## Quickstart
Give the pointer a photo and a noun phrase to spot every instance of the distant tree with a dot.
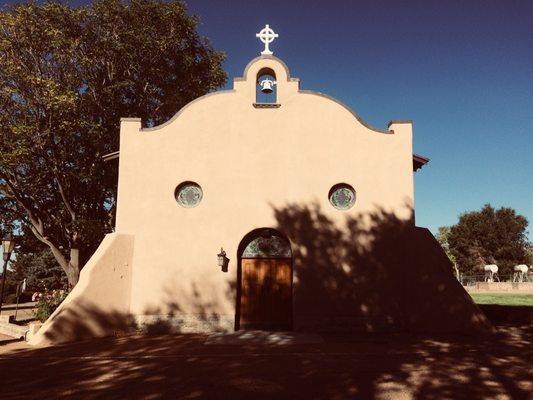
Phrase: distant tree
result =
(529, 252)
(32, 261)
(443, 235)
(41, 271)
(35, 263)
(67, 75)
(489, 236)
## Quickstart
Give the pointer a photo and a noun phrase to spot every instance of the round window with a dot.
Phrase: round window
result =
(188, 194)
(342, 196)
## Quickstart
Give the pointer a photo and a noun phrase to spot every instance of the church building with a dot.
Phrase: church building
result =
(266, 207)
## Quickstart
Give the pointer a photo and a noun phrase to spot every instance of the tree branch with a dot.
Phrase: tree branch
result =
(36, 224)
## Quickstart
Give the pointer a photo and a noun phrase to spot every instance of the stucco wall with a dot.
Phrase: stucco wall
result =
(249, 162)
(99, 304)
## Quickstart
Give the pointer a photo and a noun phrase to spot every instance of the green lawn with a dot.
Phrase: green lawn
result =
(504, 299)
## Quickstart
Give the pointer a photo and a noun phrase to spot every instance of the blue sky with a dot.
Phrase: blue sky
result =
(461, 70)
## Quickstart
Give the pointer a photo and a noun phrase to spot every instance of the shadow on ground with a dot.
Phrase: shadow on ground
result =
(508, 315)
(380, 276)
(357, 366)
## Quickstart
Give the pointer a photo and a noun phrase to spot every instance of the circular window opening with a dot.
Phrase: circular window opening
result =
(188, 194)
(342, 196)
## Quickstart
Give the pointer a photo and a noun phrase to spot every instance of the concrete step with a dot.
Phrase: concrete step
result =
(13, 330)
(21, 306)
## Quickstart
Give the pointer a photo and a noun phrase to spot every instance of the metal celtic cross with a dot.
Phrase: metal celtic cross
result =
(267, 36)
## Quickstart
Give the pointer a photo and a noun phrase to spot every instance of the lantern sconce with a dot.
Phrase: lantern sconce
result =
(223, 260)
(8, 244)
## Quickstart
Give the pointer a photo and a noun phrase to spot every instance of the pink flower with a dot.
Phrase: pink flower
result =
(35, 296)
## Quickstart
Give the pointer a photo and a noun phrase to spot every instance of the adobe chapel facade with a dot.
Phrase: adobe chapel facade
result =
(265, 207)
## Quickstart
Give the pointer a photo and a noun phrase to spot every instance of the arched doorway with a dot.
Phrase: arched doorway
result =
(264, 281)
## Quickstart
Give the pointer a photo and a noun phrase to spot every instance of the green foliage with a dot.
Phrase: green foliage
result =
(67, 76)
(10, 298)
(442, 237)
(47, 303)
(40, 270)
(35, 263)
(529, 252)
(10, 288)
(489, 236)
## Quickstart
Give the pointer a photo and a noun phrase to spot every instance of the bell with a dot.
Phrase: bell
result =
(266, 85)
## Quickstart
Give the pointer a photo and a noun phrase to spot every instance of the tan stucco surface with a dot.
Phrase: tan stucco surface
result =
(99, 304)
(365, 268)
(248, 162)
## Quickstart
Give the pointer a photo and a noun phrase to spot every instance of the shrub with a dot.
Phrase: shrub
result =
(47, 303)
(11, 298)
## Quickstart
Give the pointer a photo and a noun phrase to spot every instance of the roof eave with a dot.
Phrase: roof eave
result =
(418, 160)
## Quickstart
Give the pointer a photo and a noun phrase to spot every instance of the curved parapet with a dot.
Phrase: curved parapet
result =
(245, 86)
(99, 304)
(340, 103)
(184, 109)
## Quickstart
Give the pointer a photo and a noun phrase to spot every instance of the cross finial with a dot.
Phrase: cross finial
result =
(267, 36)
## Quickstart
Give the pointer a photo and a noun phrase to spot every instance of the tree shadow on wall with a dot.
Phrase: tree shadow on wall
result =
(171, 318)
(376, 273)
(83, 321)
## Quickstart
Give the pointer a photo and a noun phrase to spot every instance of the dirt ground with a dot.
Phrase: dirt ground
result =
(375, 366)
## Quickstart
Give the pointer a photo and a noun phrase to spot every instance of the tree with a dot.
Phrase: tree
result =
(489, 236)
(529, 252)
(35, 263)
(67, 76)
(443, 235)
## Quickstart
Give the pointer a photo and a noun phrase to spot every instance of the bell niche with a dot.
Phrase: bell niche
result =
(266, 92)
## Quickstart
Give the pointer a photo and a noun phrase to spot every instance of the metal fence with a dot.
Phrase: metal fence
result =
(472, 280)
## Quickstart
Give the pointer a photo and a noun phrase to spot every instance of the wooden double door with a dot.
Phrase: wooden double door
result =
(266, 294)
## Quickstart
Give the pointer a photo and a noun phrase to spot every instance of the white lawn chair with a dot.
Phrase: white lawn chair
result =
(491, 273)
(520, 273)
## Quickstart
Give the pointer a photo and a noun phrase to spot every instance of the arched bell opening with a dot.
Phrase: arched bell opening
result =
(266, 87)
(264, 281)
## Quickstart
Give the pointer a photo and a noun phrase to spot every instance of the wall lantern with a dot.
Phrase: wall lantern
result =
(223, 260)
(8, 243)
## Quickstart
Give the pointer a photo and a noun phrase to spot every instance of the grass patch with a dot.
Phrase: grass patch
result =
(504, 299)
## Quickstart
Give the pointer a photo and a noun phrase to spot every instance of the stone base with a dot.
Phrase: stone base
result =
(184, 323)
(198, 323)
